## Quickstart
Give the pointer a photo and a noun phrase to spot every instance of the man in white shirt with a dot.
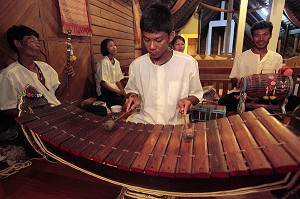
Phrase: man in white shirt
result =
(164, 83)
(13, 79)
(256, 60)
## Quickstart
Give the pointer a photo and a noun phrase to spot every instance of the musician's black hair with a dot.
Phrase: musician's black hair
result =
(18, 33)
(157, 18)
(261, 25)
(103, 46)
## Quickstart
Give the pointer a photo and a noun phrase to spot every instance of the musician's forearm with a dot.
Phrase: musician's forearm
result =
(120, 86)
(194, 100)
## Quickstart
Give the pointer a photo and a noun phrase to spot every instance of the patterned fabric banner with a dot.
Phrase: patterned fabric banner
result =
(74, 17)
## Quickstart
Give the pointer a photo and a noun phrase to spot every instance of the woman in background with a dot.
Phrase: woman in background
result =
(178, 43)
(109, 75)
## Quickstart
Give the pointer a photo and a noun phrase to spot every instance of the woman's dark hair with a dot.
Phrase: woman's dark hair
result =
(261, 25)
(175, 39)
(103, 46)
(157, 18)
(18, 33)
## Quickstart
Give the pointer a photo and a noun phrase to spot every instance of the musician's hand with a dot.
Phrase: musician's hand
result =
(132, 102)
(184, 106)
(70, 71)
(122, 92)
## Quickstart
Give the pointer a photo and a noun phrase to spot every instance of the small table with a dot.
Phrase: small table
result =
(206, 111)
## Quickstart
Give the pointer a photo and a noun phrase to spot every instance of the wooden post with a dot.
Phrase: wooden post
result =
(286, 40)
(275, 16)
(228, 28)
(279, 46)
(296, 41)
(137, 30)
(241, 27)
(219, 45)
(200, 14)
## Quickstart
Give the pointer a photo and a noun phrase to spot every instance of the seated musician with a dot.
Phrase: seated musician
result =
(164, 83)
(256, 60)
(109, 75)
(13, 79)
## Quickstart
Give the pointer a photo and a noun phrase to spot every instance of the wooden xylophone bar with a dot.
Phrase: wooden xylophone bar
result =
(251, 143)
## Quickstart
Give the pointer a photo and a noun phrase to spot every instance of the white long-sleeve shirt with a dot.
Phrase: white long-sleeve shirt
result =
(249, 63)
(161, 86)
(108, 72)
(15, 77)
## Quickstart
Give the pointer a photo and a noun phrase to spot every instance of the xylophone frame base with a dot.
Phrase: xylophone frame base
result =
(137, 185)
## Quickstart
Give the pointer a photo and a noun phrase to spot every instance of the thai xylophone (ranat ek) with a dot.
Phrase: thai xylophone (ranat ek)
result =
(238, 154)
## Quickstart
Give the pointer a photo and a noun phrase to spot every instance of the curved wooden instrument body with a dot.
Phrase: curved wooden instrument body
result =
(234, 153)
(256, 85)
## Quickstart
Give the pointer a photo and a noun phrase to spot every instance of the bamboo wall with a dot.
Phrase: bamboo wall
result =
(109, 19)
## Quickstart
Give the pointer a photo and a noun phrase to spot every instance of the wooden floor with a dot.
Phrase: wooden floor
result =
(54, 180)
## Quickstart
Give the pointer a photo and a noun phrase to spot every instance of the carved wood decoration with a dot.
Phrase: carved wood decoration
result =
(291, 9)
(181, 15)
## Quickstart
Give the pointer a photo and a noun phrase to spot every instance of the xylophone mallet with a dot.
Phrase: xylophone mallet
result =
(110, 124)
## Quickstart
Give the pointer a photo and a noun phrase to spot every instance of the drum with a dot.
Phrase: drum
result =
(267, 86)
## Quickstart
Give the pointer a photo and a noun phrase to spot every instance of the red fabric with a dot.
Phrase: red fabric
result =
(74, 17)
(286, 71)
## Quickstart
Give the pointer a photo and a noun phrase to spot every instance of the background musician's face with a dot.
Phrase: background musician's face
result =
(179, 45)
(29, 46)
(261, 38)
(112, 48)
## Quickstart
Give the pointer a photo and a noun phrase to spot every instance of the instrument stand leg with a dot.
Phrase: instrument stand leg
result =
(128, 194)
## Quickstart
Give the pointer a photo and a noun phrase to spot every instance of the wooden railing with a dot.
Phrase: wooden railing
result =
(209, 76)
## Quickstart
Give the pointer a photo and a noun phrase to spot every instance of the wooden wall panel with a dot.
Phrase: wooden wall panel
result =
(84, 74)
(51, 20)
(11, 13)
(113, 19)
(97, 40)
(106, 23)
(99, 11)
(14, 12)
(121, 49)
(107, 7)
(112, 33)
(115, 7)
(6, 55)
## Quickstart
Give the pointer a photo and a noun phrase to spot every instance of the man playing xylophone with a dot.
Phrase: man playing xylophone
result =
(162, 82)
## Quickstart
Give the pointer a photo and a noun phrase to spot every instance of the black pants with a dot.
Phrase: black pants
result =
(111, 98)
(231, 102)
